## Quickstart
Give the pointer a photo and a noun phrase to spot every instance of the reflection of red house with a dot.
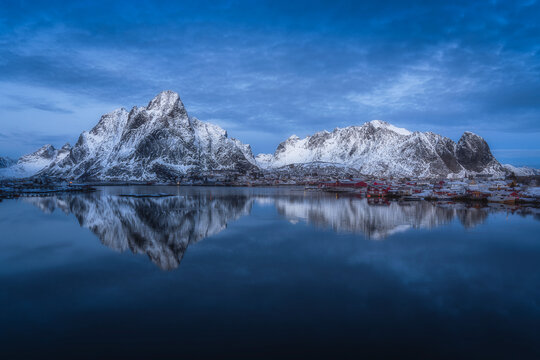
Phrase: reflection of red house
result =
(377, 190)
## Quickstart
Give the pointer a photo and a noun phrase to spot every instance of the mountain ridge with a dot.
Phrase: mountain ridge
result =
(382, 149)
(161, 142)
(31, 164)
(157, 142)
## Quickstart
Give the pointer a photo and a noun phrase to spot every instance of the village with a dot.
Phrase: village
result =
(499, 191)
(521, 190)
(509, 190)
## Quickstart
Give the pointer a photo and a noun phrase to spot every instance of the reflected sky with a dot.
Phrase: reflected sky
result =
(266, 273)
(163, 227)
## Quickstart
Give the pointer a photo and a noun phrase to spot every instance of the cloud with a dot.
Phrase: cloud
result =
(404, 92)
(280, 67)
(20, 103)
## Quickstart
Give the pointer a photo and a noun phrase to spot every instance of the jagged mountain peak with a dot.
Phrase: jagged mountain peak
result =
(164, 98)
(293, 137)
(167, 102)
(45, 148)
(382, 149)
(472, 141)
(46, 151)
(152, 143)
(473, 152)
(372, 126)
(165, 110)
(35, 162)
(470, 135)
(380, 124)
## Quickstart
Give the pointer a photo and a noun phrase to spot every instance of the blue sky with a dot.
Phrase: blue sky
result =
(264, 70)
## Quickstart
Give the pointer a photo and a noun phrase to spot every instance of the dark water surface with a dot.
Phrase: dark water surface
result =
(238, 272)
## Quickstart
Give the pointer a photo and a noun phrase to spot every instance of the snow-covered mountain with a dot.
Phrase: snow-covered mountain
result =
(35, 162)
(156, 142)
(381, 149)
(161, 142)
(522, 171)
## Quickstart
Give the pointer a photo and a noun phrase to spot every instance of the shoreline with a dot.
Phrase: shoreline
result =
(51, 190)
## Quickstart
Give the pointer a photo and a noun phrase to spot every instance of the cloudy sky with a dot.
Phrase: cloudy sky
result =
(264, 70)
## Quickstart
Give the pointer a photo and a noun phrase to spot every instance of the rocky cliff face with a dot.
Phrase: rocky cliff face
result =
(381, 149)
(152, 143)
(473, 154)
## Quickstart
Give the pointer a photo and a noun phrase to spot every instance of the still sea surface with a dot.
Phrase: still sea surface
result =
(265, 272)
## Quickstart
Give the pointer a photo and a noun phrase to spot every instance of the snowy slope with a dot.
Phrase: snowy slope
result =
(381, 149)
(264, 161)
(152, 143)
(522, 171)
(31, 164)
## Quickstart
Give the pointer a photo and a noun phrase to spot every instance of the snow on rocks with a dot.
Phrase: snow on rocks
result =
(35, 162)
(381, 149)
(159, 142)
(522, 171)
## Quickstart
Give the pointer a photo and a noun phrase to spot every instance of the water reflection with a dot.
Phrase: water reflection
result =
(163, 228)
(380, 220)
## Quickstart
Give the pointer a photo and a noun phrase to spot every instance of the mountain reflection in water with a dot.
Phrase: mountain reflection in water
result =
(163, 228)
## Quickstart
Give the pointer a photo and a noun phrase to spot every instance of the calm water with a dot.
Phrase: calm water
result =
(232, 272)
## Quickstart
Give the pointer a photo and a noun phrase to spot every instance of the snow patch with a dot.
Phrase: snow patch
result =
(522, 171)
(379, 124)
